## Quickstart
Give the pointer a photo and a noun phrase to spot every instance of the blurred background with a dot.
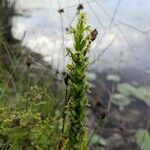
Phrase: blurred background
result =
(120, 56)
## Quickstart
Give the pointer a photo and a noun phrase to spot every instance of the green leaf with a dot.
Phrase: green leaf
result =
(19, 133)
(72, 30)
(75, 57)
(17, 145)
(70, 66)
(68, 51)
(1, 142)
(143, 139)
(44, 139)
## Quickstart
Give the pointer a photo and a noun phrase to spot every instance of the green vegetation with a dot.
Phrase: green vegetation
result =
(34, 120)
(39, 112)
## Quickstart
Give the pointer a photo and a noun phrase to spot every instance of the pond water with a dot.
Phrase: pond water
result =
(123, 26)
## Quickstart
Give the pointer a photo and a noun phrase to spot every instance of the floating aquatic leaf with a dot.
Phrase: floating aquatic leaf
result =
(96, 139)
(143, 139)
(91, 76)
(113, 77)
(126, 89)
(121, 100)
(142, 93)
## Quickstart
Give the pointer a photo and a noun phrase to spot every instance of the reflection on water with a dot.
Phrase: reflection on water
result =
(123, 27)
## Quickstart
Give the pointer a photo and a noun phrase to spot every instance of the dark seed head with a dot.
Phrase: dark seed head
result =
(29, 61)
(93, 35)
(64, 73)
(43, 116)
(15, 123)
(57, 72)
(104, 114)
(67, 29)
(66, 79)
(61, 10)
(80, 7)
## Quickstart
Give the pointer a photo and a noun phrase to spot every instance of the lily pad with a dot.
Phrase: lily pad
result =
(91, 76)
(96, 139)
(142, 93)
(143, 139)
(126, 89)
(113, 77)
(121, 100)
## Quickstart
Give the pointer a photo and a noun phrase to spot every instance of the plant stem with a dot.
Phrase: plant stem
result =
(77, 83)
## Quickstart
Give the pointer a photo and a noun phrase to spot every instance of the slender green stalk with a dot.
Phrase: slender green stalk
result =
(99, 125)
(7, 48)
(28, 64)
